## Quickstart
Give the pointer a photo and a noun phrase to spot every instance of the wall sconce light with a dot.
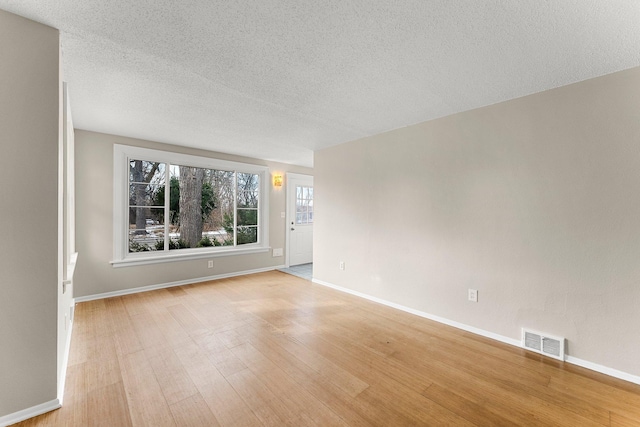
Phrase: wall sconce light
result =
(277, 180)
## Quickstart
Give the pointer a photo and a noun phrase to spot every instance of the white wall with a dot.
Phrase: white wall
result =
(29, 126)
(535, 202)
(94, 230)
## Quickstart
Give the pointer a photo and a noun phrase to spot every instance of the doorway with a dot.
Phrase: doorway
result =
(299, 217)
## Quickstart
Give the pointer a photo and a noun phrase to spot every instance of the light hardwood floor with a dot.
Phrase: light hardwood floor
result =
(273, 349)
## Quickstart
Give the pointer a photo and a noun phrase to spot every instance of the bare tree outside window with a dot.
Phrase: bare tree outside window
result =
(191, 180)
(206, 207)
(146, 216)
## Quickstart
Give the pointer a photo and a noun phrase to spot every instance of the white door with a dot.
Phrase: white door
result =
(299, 219)
(66, 230)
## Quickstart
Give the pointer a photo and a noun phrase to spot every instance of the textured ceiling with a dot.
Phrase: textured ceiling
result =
(277, 79)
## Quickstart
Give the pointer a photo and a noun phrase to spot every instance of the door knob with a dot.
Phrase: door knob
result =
(292, 229)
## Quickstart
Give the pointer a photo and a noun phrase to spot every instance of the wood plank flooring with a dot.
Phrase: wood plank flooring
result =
(272, 349)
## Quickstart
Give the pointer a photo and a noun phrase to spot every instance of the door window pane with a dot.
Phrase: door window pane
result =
(304, 205)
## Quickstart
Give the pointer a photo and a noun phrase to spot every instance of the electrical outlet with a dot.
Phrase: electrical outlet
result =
(341, 265)
(210, 264)
(277, 252)
(473, 295)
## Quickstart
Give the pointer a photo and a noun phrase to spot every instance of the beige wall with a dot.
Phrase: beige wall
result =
(535, 202)
(29, 114)
(94, 228)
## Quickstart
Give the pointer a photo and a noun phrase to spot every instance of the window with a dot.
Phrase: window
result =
(170, 206)
(304, 205)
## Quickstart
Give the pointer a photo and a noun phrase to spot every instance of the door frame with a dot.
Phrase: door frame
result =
(290, 198)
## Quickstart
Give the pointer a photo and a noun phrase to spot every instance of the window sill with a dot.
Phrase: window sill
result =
(158, 259)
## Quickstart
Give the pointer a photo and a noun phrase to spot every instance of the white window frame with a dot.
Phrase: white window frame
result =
(122, 154)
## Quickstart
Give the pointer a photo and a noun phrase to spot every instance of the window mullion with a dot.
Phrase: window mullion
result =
(131, 247)
(235, 208)
(167, 202)
(258, 216)
(126, 209)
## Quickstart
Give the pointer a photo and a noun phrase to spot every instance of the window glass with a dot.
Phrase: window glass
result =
(247, 208)
(200, 206)
(146, 212)
(204, 207)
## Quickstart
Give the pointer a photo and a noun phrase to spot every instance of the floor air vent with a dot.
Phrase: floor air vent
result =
(543, 344)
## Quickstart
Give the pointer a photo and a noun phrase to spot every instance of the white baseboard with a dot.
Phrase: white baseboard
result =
(603, 369)
(172, 284)
(569, 359)
(34, 411)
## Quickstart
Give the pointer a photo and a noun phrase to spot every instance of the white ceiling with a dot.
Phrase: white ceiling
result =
(277, 79)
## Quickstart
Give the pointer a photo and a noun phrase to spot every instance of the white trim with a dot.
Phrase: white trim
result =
(603, 369)
(517, 343)
(34, 411)
(172, 284)
(119, 201)
(293, 175)
(121, 156)
(289, 216)
(128, 262)
(65, 360)
(71, 268)
(174, 158)
(422, 314)
(69, 332)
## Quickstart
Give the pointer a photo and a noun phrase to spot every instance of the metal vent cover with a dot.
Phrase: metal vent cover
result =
(543, 343)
